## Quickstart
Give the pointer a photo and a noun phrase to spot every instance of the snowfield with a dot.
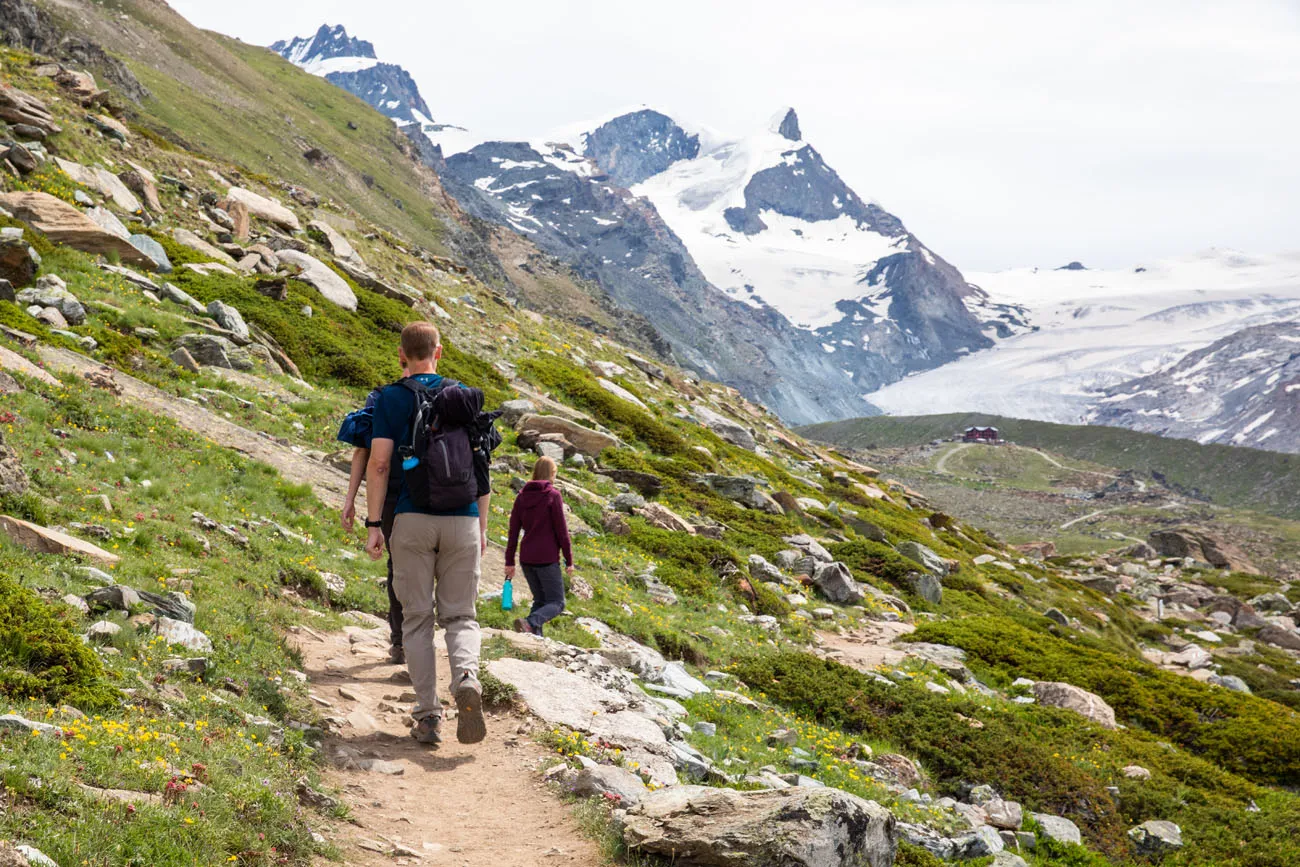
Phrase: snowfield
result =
(1100, 328)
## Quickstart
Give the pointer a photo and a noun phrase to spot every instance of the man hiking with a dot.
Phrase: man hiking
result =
(439, 530)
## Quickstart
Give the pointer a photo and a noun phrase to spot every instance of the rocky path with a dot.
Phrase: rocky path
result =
(480, 805)
(868, 647)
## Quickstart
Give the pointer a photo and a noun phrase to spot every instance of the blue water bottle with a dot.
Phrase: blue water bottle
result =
(508, 595)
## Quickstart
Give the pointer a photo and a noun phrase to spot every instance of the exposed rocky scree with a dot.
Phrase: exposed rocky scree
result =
(1242, 390)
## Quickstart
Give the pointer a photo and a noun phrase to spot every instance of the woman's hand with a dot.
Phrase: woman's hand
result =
(568, 570)
(510, 572)
(349, 515)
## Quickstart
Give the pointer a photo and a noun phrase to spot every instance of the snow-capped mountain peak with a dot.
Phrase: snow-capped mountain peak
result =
(785, 123)
(352, 64)
(329, 49)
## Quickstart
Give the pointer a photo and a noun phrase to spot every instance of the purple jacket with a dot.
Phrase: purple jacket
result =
(539, 512)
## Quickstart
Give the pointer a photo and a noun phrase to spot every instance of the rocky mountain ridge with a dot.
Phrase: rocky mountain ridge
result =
(351, 64)
(833, 276)
(1241, 390)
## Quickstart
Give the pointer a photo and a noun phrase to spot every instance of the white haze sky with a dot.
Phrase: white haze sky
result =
(1002, 133)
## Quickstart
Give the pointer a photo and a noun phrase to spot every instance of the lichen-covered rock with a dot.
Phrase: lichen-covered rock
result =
(699, 826)
(1156, 837)
(1082, 702)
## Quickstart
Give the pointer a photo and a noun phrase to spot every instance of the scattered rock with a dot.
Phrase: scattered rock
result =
(103, 631)
(1057, 828)
(925, 585)
(228, 318)
(793, 827)
(215, 351)
(1279, 637)
(1156, 837)
(724, 427)
(1200, 544)
(151, 248)
(65, 224)
(1082, 702)
(513, 410)
(930, 561)
(664, 518)
(1135, 772)
(185, 360)
(186, 238)
(43, 540)
(586, 440)
(322, 277)
(18, 263)
(627, 503)
(265, 209)
(183, 634)
(836, 583)
(50, 291)
(606, 780)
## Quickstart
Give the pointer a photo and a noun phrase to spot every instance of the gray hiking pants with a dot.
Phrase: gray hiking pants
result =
(436, 568)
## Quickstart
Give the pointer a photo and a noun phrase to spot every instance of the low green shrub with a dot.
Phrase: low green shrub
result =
(1242, 733)
(1031, 756)
(582, 390)
(42, 657)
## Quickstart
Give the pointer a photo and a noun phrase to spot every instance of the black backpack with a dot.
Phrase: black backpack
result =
(443, 477)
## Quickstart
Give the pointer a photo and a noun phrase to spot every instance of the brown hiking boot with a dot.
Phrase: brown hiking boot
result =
(396, 654)
(471, 728)
(428, 730)
(522, 625)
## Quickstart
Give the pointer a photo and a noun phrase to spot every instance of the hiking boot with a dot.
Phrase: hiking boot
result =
(470, 725)
(522, 625)
(397, 654)
(428, 730)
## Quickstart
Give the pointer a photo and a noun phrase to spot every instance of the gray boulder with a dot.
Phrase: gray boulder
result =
(836, 583)
(794, 827)
(50, 291)
(1058, 828)
(1082, 702)
(18, 261)
(151, 248)
(724, 427)
(925, 585)
(930, 561)
(212, 350)
(177, 295)
(809, 546)
(738, 488)
(228, 318)
(1156, 837)
(513, 410)
(627, 503)
(607, 780)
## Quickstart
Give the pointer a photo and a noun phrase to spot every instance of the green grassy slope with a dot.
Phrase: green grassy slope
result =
(1267, 481)
(246, 728)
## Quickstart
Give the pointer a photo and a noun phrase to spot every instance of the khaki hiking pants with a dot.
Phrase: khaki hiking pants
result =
(436, 568)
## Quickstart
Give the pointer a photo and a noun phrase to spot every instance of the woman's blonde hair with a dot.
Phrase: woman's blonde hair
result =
(544, 470)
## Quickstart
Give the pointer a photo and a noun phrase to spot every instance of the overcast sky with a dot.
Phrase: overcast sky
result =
(1002, 133)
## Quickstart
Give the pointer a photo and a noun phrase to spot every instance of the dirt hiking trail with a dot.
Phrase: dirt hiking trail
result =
(479, 805)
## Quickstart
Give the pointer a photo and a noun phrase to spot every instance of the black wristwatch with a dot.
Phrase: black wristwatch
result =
(374, 524)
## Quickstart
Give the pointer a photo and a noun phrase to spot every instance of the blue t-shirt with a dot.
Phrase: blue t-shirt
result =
(394, 415)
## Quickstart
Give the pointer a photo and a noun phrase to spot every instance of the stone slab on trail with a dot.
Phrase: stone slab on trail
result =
(794, 827)
(562, 698)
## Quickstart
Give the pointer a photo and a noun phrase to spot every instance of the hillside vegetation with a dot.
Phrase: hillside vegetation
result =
(1231, 476)
(171, 557)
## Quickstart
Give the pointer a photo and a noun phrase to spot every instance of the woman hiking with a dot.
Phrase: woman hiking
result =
(539, 512)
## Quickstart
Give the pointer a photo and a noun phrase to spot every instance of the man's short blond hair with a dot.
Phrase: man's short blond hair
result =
(420, 340)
